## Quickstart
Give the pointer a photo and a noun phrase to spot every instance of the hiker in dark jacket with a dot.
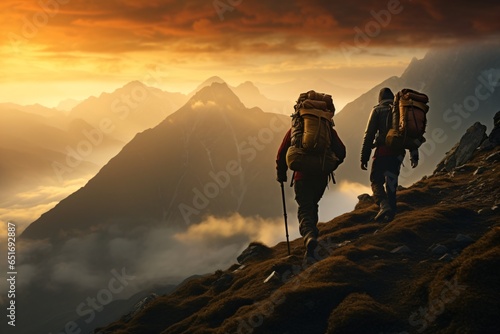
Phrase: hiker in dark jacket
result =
(386, 162)
(309, 189)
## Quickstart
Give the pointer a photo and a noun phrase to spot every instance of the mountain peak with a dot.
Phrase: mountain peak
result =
(249, 88)
(219, 94)
(206, 83)
(214, 79)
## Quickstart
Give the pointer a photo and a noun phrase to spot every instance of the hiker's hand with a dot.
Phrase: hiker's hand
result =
(281, 178)
(414, 163)
(364, 165)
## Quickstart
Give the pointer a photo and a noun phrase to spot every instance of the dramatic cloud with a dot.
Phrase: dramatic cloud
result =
(245, 39)
(246, 26)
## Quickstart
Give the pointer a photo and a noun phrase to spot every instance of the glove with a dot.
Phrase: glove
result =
(281, 178)
(414, 163)
(364, 165)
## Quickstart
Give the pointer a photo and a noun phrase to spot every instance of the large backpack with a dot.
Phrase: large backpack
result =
(311, 136)
(409, 120)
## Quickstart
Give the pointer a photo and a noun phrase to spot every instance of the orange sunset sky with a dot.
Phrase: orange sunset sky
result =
(57, 49)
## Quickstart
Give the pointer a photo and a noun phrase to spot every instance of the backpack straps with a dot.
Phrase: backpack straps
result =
(292, 181)
(332, 177)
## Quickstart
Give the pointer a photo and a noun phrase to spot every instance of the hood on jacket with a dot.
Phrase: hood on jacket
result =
(385, 94)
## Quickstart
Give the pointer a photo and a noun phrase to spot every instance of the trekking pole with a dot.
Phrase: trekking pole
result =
(284, 215)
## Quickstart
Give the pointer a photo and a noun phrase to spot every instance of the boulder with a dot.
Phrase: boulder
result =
(401, 250)
(438, 249)
(140, 305)
(494, 137)
(365, 200)
(254, 252)
(463, 151)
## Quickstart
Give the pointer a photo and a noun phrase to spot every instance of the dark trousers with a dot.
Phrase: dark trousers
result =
(308, 192)
(385, 172)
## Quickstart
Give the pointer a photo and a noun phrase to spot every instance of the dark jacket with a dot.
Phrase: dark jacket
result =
(378, 125)
(337, 147)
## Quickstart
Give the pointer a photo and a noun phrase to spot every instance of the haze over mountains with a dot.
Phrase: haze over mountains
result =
(208, 158)
(62, 148)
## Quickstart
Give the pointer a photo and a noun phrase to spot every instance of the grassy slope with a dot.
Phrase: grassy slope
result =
(360, 286)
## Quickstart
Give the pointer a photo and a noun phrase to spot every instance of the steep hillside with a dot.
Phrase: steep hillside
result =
(434, 269)
(463, 87)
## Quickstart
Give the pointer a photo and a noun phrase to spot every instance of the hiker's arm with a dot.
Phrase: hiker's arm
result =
(414, 158)
(281, 166)
(371, 130)
(338, 146)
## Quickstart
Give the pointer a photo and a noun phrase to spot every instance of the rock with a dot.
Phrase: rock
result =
(273, 277)
(365, 200)
(446, 258)
(494, 136)
(464, 168)
(464, 240)
(222, 283)
(343, 243)
(463, 151)
(480, 170)
(438, 249)
(494, 157)
(461, 238)
(254, 252)
(240, 268)
(140, 305)
(401, 250)
(485, 211)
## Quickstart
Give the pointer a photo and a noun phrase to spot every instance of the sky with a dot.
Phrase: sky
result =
(57, 49)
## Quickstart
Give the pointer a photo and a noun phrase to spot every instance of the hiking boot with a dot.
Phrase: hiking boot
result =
(389, 217)
(385, 209)
(311, 243)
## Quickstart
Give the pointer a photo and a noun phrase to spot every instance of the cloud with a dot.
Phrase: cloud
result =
(121, 26)
(25, 207)
(216, 230)
(156, 255)
(341, 200)
(200, 105)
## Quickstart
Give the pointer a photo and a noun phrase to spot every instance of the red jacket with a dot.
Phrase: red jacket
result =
(337, 146)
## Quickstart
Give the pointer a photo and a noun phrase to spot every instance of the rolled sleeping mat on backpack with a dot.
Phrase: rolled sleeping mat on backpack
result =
(299, 160)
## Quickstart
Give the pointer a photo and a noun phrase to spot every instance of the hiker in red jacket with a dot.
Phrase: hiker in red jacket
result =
(386, 162)
(309, 189)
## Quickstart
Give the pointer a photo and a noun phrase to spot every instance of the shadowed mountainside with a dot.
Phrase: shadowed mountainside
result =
(435, 268)
(463, 85)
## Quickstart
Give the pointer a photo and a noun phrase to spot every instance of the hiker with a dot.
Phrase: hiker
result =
(309, 186)
(386, 161)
